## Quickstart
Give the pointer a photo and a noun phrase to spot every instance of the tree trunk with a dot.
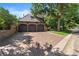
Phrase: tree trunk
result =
(60, 16)
(58, 26)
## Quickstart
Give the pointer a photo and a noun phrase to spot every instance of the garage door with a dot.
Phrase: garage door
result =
(40, 27)
(32, 28)
(22, 28)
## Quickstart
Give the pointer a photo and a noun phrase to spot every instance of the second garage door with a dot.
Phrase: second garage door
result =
(31, 28)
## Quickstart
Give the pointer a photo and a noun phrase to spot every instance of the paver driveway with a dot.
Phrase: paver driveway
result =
(15, 46)
(41, 37)
(44, 37)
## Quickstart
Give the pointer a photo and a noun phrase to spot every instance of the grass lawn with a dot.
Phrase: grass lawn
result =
(62, 33)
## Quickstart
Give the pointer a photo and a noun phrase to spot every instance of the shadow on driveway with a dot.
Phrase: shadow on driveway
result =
(18, 37)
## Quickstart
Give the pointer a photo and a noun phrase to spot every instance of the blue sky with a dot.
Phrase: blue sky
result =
(18, 9)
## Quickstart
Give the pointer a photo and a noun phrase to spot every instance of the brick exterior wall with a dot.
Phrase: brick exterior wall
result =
(7, 33)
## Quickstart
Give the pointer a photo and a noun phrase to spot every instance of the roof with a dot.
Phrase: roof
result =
(30, 18)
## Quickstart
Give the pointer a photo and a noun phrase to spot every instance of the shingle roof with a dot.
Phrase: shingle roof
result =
(29, 18)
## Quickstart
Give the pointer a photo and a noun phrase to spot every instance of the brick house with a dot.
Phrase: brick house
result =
(31, 24)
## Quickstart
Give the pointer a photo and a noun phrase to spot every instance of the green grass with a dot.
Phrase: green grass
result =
(62, 33)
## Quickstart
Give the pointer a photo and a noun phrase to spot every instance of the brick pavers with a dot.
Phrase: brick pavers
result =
(44, 37)
(16, 42)
(41, 37)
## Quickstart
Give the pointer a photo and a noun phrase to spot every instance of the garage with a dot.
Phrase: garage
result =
(40, 27)
(31, 28)
(22, 28)
(30, 23)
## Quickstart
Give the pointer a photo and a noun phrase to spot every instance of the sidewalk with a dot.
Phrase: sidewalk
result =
(72, 46)
(61, 45)
(69, 48)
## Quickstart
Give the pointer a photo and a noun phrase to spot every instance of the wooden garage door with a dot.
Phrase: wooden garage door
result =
(22, 28)
(40, 27)
(32, 28)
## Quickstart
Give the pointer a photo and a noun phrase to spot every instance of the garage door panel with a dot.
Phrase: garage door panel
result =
(32, 28)
(22, 28)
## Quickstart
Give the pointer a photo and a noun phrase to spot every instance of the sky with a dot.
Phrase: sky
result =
(18, 9)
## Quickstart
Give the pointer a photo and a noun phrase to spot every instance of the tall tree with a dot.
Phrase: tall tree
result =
(62, 14)
(6, 18)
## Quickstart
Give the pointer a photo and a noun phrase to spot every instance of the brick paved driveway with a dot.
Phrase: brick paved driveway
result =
(41, 37)
(44, 37)
(15, 43)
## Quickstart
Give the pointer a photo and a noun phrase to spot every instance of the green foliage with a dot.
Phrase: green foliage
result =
(58, 15)
(61, 33)
(6, 19)
(50, 21)
(37, 9)
(2, 23)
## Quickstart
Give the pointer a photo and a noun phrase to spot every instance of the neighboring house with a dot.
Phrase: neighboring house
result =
(31, 24)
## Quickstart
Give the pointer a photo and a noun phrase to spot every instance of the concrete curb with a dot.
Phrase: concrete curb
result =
(61, 45)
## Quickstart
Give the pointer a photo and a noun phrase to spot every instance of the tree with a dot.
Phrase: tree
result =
(38, 9)
(6, 18)
(63, 16)
(2, 23)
